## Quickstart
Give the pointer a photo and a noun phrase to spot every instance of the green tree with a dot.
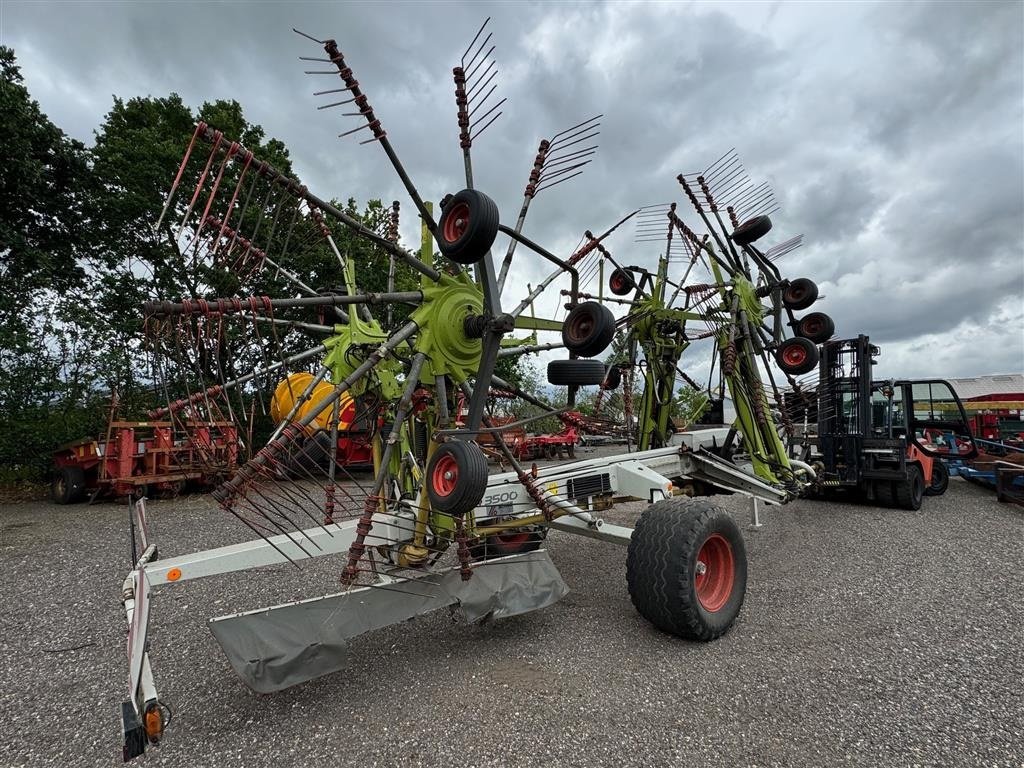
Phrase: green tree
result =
(44, 181)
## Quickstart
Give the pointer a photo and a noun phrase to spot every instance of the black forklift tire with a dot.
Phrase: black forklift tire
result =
(579, 373)
(940, 479)
(68, 485)
(456, 477)
(588, 329)
(885, 493)
(621, 282)
(612, 378)
(468, 226)
(816, 326)
(751, 230)
(800, 293)
(797, 356)
(910, 490)
(670, 585)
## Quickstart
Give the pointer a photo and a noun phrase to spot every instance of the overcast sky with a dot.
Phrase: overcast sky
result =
(892, 133)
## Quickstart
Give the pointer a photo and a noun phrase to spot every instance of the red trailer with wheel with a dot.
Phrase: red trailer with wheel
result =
(139, 458)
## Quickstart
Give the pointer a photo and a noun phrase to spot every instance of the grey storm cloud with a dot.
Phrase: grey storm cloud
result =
(892, 133)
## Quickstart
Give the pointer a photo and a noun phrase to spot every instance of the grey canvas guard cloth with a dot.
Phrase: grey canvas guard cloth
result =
(275, 648)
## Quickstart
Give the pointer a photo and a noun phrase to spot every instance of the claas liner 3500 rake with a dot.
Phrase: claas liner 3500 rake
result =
(433, 528)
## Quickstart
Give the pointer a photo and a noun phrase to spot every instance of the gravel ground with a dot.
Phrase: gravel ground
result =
(869, 637)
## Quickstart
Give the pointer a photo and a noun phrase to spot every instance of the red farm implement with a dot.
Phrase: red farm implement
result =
(139, 458)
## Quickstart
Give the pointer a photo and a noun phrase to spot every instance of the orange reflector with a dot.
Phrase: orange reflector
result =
(154, 723)
(174, 574)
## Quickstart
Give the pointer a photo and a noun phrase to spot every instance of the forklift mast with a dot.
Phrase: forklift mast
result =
(844, 403)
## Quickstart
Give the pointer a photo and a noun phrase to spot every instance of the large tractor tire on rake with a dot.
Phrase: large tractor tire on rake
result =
(816, 327)
(686, 568)
(588, 329)
(468, 226)
(751, 230)
(797, 356)
(621, 282)
(512, 542)
(456, 477)
(800, 293)
(612, 378)
(580, 373)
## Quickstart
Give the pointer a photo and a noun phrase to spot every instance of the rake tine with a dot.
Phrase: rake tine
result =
(476, 37)
(557, 138)
(481, 130)
(487, 57)
(308, 37)
(481, 83)
(482, 102)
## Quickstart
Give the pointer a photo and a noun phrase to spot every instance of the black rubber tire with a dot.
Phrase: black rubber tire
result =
(468, 226)
(800, 293)
(581, 373)
(940, 479)
(817, 326)
(751, 230)
(885, 493)
(570, 450)
(661, 567)
(509, 543)
(910, 491)
(612, 378)
(621, 282)
(588, 329)
(462, 492)
(68, 485)
(797, 356)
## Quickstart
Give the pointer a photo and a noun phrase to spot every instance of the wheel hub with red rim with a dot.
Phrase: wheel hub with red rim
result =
(456, 221)
(813, 327)
(581, 327)
(445, 476)
(794, 355)
(715, 573)
(513, 538)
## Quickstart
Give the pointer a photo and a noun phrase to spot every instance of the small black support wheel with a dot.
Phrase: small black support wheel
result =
(570, 450)
(686, 568)
(797, 355)
(910, 491)
(940, 479)
(885, 493)
(467, 227)
(580, 373)
(588, 329)
(456, 477)
(816, 326)
(751, 230)
(517, 541)
(621, 282)
(612, 378)
(68, 485)
(550, 451)
(800, 293)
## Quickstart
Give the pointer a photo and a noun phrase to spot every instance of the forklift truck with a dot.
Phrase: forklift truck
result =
(875, 438)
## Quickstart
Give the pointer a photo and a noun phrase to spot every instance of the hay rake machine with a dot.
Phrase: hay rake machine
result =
(431, 528)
